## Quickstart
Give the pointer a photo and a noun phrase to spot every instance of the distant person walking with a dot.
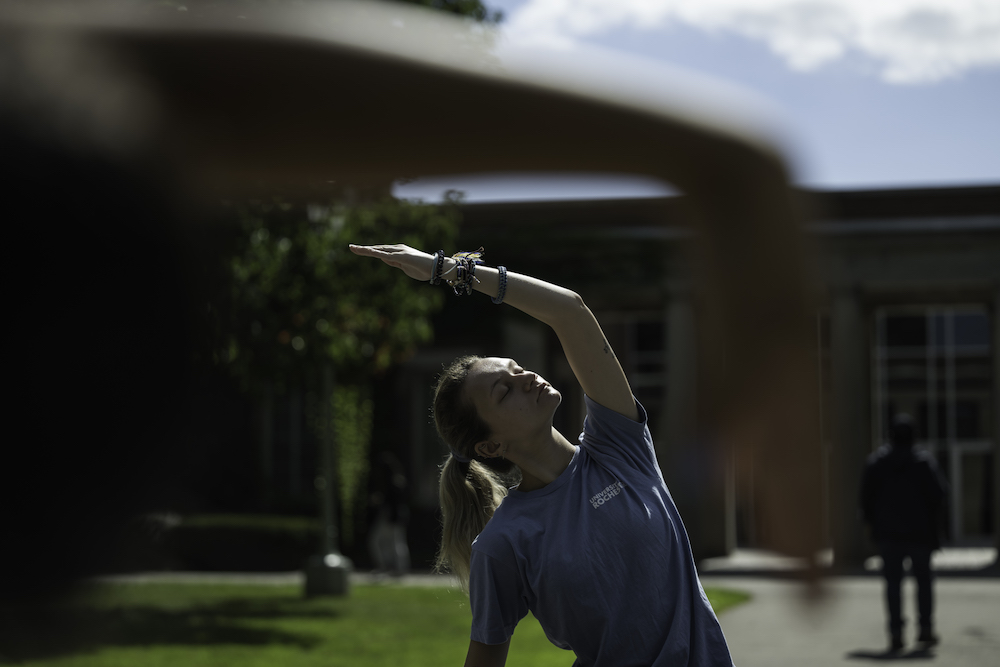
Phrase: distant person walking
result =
(387, 536)
(902, 493)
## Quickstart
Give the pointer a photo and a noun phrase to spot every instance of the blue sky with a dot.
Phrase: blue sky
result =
(875, 93)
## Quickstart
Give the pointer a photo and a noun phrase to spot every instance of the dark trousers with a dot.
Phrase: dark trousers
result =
(893, 554)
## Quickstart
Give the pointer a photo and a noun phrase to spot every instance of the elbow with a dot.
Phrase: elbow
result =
(574, 308)
(571, 315)
(562, 309)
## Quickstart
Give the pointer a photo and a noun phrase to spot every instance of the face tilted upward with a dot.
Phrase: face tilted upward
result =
(515, 403)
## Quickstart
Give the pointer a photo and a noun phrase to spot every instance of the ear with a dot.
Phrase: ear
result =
(488, 449)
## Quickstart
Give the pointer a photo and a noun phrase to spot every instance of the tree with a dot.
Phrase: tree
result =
(290, 302)
(301, 299)
(295, 303)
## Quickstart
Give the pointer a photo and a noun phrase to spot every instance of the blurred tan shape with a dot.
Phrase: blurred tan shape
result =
(368, 93)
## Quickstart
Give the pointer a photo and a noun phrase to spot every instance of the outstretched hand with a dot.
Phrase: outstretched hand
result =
(410, 261)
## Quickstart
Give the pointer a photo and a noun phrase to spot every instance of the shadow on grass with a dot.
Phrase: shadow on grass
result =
(34, 633)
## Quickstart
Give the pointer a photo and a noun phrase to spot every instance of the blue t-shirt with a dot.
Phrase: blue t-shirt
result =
(600, 557)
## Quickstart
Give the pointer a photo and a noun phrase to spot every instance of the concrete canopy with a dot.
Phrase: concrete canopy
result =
(372, 90)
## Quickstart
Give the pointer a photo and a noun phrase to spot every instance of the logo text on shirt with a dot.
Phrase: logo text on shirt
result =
(607, 494)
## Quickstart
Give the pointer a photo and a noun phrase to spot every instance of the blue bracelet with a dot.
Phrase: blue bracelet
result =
(436, 270)
(502, 290)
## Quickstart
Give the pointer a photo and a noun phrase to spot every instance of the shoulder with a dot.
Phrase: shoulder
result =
(879, 455)
(497, 537)
(927, 463)
(496, 552)
(598, 414)
(610, 435)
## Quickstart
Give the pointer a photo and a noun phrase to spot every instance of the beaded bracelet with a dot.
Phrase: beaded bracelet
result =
(436, 271)
(502, 289)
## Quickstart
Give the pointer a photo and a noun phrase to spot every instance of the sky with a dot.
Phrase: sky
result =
(873, 93)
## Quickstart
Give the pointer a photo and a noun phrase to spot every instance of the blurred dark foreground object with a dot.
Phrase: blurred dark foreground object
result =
(99, 343)
(115, 122)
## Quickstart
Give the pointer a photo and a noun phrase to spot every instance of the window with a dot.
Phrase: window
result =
(935, 363)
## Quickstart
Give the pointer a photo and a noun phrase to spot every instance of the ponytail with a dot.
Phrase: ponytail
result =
(469, 491)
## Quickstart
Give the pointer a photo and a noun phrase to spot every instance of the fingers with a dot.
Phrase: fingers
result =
(390, 254)
(365, 250)
(410, 261)
(375, 250)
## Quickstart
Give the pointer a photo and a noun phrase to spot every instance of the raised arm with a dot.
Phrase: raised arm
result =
(586, 348)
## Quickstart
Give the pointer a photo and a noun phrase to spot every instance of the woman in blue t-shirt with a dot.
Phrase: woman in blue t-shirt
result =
(590, 540)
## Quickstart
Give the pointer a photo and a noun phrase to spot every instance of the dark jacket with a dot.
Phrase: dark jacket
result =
(902, 495)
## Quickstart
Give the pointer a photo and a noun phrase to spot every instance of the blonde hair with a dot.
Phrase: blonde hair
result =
(471, 491)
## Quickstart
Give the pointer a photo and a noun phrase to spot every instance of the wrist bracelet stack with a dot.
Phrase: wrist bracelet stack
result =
(465, 267)
(465, 273)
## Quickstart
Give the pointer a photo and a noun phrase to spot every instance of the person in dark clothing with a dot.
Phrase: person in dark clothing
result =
(387, 535)
(902, 493)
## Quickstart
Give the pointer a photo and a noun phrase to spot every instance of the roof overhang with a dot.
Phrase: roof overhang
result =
(371, 91)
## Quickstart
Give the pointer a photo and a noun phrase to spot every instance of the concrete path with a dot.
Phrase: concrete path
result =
(778, 627)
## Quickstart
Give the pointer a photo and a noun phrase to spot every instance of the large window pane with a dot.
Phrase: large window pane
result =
(935, 363)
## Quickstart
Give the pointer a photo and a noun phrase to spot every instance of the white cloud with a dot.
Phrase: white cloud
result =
(911, 41)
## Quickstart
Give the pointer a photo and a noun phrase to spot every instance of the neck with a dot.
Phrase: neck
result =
(543, 461)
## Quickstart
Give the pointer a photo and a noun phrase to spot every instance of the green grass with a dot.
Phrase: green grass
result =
(189, 625)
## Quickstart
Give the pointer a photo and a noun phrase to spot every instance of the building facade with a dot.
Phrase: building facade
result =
(908, 290)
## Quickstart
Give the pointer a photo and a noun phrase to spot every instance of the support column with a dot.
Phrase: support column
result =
(265, 432)
(680, 407)
(694, 470)
(850, 369)
(327, 573)
(295, 441)
(995, 328)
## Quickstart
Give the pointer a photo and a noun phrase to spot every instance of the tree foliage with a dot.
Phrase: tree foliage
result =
(300, 299)
(294, 301)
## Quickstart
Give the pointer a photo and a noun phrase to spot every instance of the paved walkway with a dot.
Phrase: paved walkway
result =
(778, 627)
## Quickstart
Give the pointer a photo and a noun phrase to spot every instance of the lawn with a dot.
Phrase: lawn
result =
(197, 625)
